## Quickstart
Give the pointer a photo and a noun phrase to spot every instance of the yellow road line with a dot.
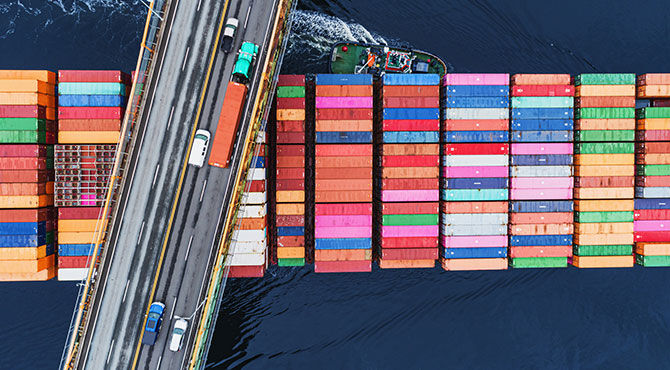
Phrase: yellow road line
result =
(181, 180)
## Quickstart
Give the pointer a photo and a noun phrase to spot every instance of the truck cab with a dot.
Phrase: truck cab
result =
(245, 59)
(154, 321)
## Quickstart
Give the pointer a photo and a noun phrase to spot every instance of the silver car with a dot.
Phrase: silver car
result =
(178, 332)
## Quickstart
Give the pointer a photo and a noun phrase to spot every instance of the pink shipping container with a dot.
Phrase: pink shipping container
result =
(542, 182)
(342, 221)
(344, 102)
(410, 195)
(474, 241)
(543, 148)
(493, 171)
(540, 194)
(22, 111)
(662, 225)
(90, 112)
(410, 231)
(23, 150)
(343, 208)
(93, 76)
(476, 79)
(339, 232)
(78, 213)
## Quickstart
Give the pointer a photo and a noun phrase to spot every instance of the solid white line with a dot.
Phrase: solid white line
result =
(174, 303)
(141, 231)
(159, 362)
(155, 175)
(110, 351)
(125, 291)
(170, 119)
(199, 2)
(185, 58)
(188, 249)
(246, 19)
(203, 191)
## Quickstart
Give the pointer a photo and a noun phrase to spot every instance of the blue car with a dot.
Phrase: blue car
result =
(154, 320)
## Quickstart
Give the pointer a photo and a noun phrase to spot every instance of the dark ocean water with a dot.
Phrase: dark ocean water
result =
(293, 318)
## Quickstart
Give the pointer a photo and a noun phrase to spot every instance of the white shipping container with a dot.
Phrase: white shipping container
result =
(249, 235)
(258, 198)
(653, 192)
(477, 113)
(247, 211)
(474, 218)
(476, 160)
(72, 274)
(541, 171)
(455, 230)
(246, 259)
(256, 174)
(259, 246)
(260, 138)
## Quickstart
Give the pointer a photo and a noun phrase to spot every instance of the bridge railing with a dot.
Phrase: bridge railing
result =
(266, 89)
(87, 288)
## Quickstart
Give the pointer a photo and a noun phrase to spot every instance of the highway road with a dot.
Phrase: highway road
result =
(137, 254)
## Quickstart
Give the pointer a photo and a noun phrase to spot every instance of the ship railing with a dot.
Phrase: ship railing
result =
(266, 90)
(87, 287)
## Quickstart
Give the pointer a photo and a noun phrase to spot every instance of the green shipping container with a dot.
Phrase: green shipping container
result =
(538, 262)
(605, 79)
(653, 112)
(22, 124)
(653, 170)
(605, 135)
(399, 220)
(285, 262)
(653, 261)
(605, 113)
(91, 88)
(291, 91)
(50, 163)
(23, 137)
(604, 148)
(602, 250)
(50, 151)
(49, 237)
(542, 102)
(594, 217)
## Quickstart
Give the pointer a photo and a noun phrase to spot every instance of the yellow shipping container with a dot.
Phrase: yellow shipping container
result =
(410, 172)
(84, 237)
(20, 98)
(653, 249)
(604, 239)
(77, 225)
(605, 90)
(88, 137)
(26, 86)
(289, 209)
(653, 91)
(654, 124)
(26, 201)
(653, 158)
(43, 275)
(604, 228)
(343, 125)
(605, 159)
(27, 266)
(602, 261)
(290, 114)
(404, 264)
(290, 252)
(614, 170)
(604, 193)
(605, 124)
(19, 74)
(290, 196)
(466, 264)
(619, 205)
(23, 253)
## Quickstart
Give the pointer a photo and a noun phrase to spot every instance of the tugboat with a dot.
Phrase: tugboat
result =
(358, 58)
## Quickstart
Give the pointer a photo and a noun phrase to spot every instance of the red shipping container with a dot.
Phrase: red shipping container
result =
(25, 175)
(465, 149)
(543, 90)
(23, 163)
(412, 102)
(291, 80)
(541, 218)
(23, 215)
(256, 186)
(541, 251)
(79, 213)
(653, 135)
(321, 209)
(23, 111)
(653, 181)
(410, 253)
(474, 207)
(73, 262)
(23, 150)
(410, 184)
(290, 103)
(422, 208)
(342, 266)
(476, 125)
(343, 150)
(411, 161)
(290, 220)
(411, 125)
(291, 126)
(649, 148)
(660, 103)
(652, 236)
(605, 182)
(260, 150)
(290, 137)
(343, 173)
(652, 214)
(405, 91)
(90, 112)
(345, 114)
(410, 242)
(290, 173)
(605, 102)
(246, 271)
(89, 124)
(93, 76)
(291, 241)
(290, 184)
(290, 150)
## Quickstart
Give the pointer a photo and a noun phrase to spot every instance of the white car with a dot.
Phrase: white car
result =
(199, 148)
(229, 34)
(178, 332)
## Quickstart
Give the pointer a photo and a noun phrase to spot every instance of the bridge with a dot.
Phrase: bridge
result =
(165, 228)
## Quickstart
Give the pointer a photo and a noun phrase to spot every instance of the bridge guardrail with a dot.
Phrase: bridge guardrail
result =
(268, 82)
(87, 288)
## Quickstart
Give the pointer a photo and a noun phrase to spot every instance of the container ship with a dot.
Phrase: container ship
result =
(359, 58)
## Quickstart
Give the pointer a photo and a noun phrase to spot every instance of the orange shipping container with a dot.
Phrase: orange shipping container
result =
(88, 137)
(605, 90)
(604, 228)
(603, 239)
(343, 173)
(412, 91)
(344, 90)
(77, 225)
(23, 253)
(541, 79)
(654, 79)
(605, 124)
(605, 101)
(24, 188)
(357, 196)
(467, 264)
(343, 125)
(24, 215)
(406, 264)
(343, 255)
(27, 266)
(289, 209)
(291, 241)
(43, 275)
(653, 249)
(290, 252)
(619, 205)
(541, 229)
(251, 223)
(654, 124)
(604, 159)
(27, 86)
(51, 113)
(20, 98)
(474, 207)
(89, 125)
(26, 201)
(340, 184)
(290, 114)
(653, 91)
(291, 161)
(286, 196)
(522, 218)
(410, 149)
(85, 237)
(410, 172)
(614, 170)
(602, 261)
(604, 193)
(343, 162)
(652, 158)
(40, 75)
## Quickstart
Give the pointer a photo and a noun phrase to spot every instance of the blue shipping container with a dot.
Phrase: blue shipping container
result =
(478, 102)
(476, 183)
(337, 79)
(343, 137)
(475, 136)
(34, 240)
(539, 206)
(542, 113)
(663, 203)
(542, 136)
(411, 137)
(542, 124)
(343, 243)
(477, 90)
(75, 249)
(91, 101)
(411, 113)
(23, 228)
(258, 162)
(541, 159)
(290, 230)
(493, 252)
(395, 79)
(535, 240)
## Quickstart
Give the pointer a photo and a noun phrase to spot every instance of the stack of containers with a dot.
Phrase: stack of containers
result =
(652, 206)
(475, 170)
(290, 173)
(653, 86)
(410, 161)
(27, 116)
(248, 248)
(604, 170)
(541, 218)
(76, 234)
(343, 173)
